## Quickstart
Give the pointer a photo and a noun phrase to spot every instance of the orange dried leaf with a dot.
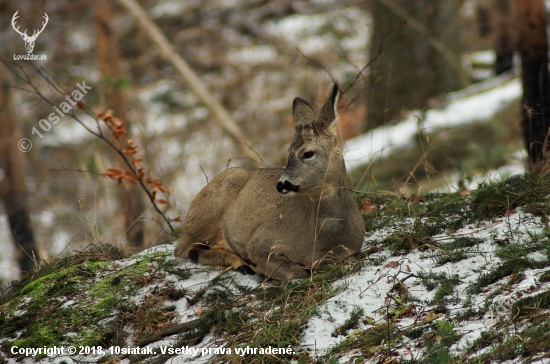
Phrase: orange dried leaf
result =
(160, 201)
(131, 148)
(106, 117)
(80, 105)
(117, 122)
(131, 151)
(136, 162)
(114, 173)
(164, 188)
(130, 177)
(392, 264)
(176, 219)
(367, 207)
(119, 132)
(119, 174)
(374, 249)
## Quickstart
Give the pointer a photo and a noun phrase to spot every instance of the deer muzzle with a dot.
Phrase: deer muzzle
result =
(287, 188)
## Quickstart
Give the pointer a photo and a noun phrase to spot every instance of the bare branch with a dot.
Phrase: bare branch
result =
(318, 64)
(26, 79)
(221, 115)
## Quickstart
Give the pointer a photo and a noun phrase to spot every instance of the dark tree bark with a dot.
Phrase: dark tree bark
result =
(533, 48)
(504, 38)
(13, 189)
(420, 54)
(129, 196)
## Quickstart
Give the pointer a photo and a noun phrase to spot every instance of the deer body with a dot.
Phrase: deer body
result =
(282, 223)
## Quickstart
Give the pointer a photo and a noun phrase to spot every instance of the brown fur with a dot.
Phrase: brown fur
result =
(247, 217)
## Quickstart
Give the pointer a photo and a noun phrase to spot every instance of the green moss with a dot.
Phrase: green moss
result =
(87, 337)
(41, 336)
(38, 286)
(122, 278)
(47, 318)
(104, 307)
(95, 266)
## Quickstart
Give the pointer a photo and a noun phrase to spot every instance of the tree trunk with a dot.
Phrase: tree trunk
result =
(414, 65)
(533, 48)
(13, 189)
(129, 196)
(504, 38)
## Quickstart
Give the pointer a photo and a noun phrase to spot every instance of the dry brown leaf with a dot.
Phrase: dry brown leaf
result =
(367, 207)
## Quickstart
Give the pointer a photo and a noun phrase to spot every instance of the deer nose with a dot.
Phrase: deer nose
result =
(285, 187)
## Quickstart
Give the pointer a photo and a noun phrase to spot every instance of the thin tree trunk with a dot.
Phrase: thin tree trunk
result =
(533, 48)
(129, 196)
(13, 190)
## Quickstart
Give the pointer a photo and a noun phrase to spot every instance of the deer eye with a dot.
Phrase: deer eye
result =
(308, 155)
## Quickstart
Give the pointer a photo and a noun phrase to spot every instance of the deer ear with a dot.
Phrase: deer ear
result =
(302, 112)
(328, 116)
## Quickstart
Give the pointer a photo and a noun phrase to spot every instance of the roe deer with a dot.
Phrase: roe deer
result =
(247, 217)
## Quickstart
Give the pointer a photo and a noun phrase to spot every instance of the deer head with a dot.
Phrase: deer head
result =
(315, 161)
(29, 41)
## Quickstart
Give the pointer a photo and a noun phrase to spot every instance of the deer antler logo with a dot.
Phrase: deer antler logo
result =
(29, 41)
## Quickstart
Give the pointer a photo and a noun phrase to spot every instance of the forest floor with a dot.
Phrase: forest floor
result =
(458, 277)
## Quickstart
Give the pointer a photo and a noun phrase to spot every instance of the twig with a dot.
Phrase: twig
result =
(203, 290)
(167, 331)
(203, 172)
(318, 64)
(64, 169)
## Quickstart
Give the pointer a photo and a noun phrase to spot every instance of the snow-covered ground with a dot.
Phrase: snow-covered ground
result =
(458, 110)
(370, 289)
